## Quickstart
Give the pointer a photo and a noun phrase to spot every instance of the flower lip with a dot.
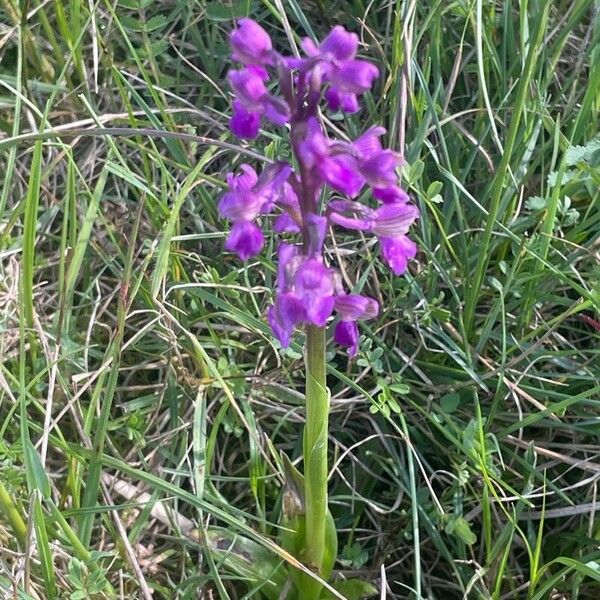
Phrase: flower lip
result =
(346, 334)
(245, 239)
(396, 252)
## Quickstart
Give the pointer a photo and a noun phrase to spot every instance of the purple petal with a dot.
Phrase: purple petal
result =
(283, 316)
(319, 310)
(394, 220)
(240, 206)
(346, 334)
(276, 110)
(355, 76)
(396, 252)
(340, 44)
(316, 229)
(309, 47)
(244, 124)
(391, 195)
(249, 87)
(352, 307)
(368, 144)
(286, 254)
(341, 173)
(380, 168)
(361, 219)
(338, 100)
(285, 224)
(245, 239)
(314, 286)
(243, 180)
(313, 145)
(250, 43)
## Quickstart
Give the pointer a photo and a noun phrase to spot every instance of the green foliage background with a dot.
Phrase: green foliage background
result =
(137, 370)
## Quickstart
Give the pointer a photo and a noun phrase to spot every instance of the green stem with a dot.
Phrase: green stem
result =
(315, 457)
(13, 516)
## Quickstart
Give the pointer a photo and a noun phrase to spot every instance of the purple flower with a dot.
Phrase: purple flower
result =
(250, 43)
(243, 123)
(352, 307)
(245, 239)
(339, 100)
(393, 220)
(249, 196)
(396, 252)
(337, 65)
(346, 334)
(307, 290)
(334, 166)
(253, 100)
(339, 46)
(314, 286)
(354, 76)
(391, 195)
(389, 220)
(284, 315)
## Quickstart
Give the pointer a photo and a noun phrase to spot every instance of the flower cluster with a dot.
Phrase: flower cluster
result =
(308, 290)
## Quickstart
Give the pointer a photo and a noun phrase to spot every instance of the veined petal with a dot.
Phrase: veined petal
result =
(284, 315)
(244, 180)
(285, 224)
(313, 284)
(244, 205)
(316, 228)
(394, 220)
(352, 307)
(368, 144)
(276, 110)
(379, 169)
(249, 87)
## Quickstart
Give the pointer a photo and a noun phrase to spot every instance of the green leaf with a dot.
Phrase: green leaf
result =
(450, 402)
(249, 560)
(352, 589)
(226, 11)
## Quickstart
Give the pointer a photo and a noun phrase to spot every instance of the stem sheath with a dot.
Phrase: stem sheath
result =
(315, 454)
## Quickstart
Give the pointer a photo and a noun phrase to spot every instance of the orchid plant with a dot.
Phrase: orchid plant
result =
(319, 191)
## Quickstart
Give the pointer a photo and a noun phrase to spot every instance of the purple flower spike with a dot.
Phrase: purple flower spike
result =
(245, 239)
(308, 290)
(346, 334)
(250, 43)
